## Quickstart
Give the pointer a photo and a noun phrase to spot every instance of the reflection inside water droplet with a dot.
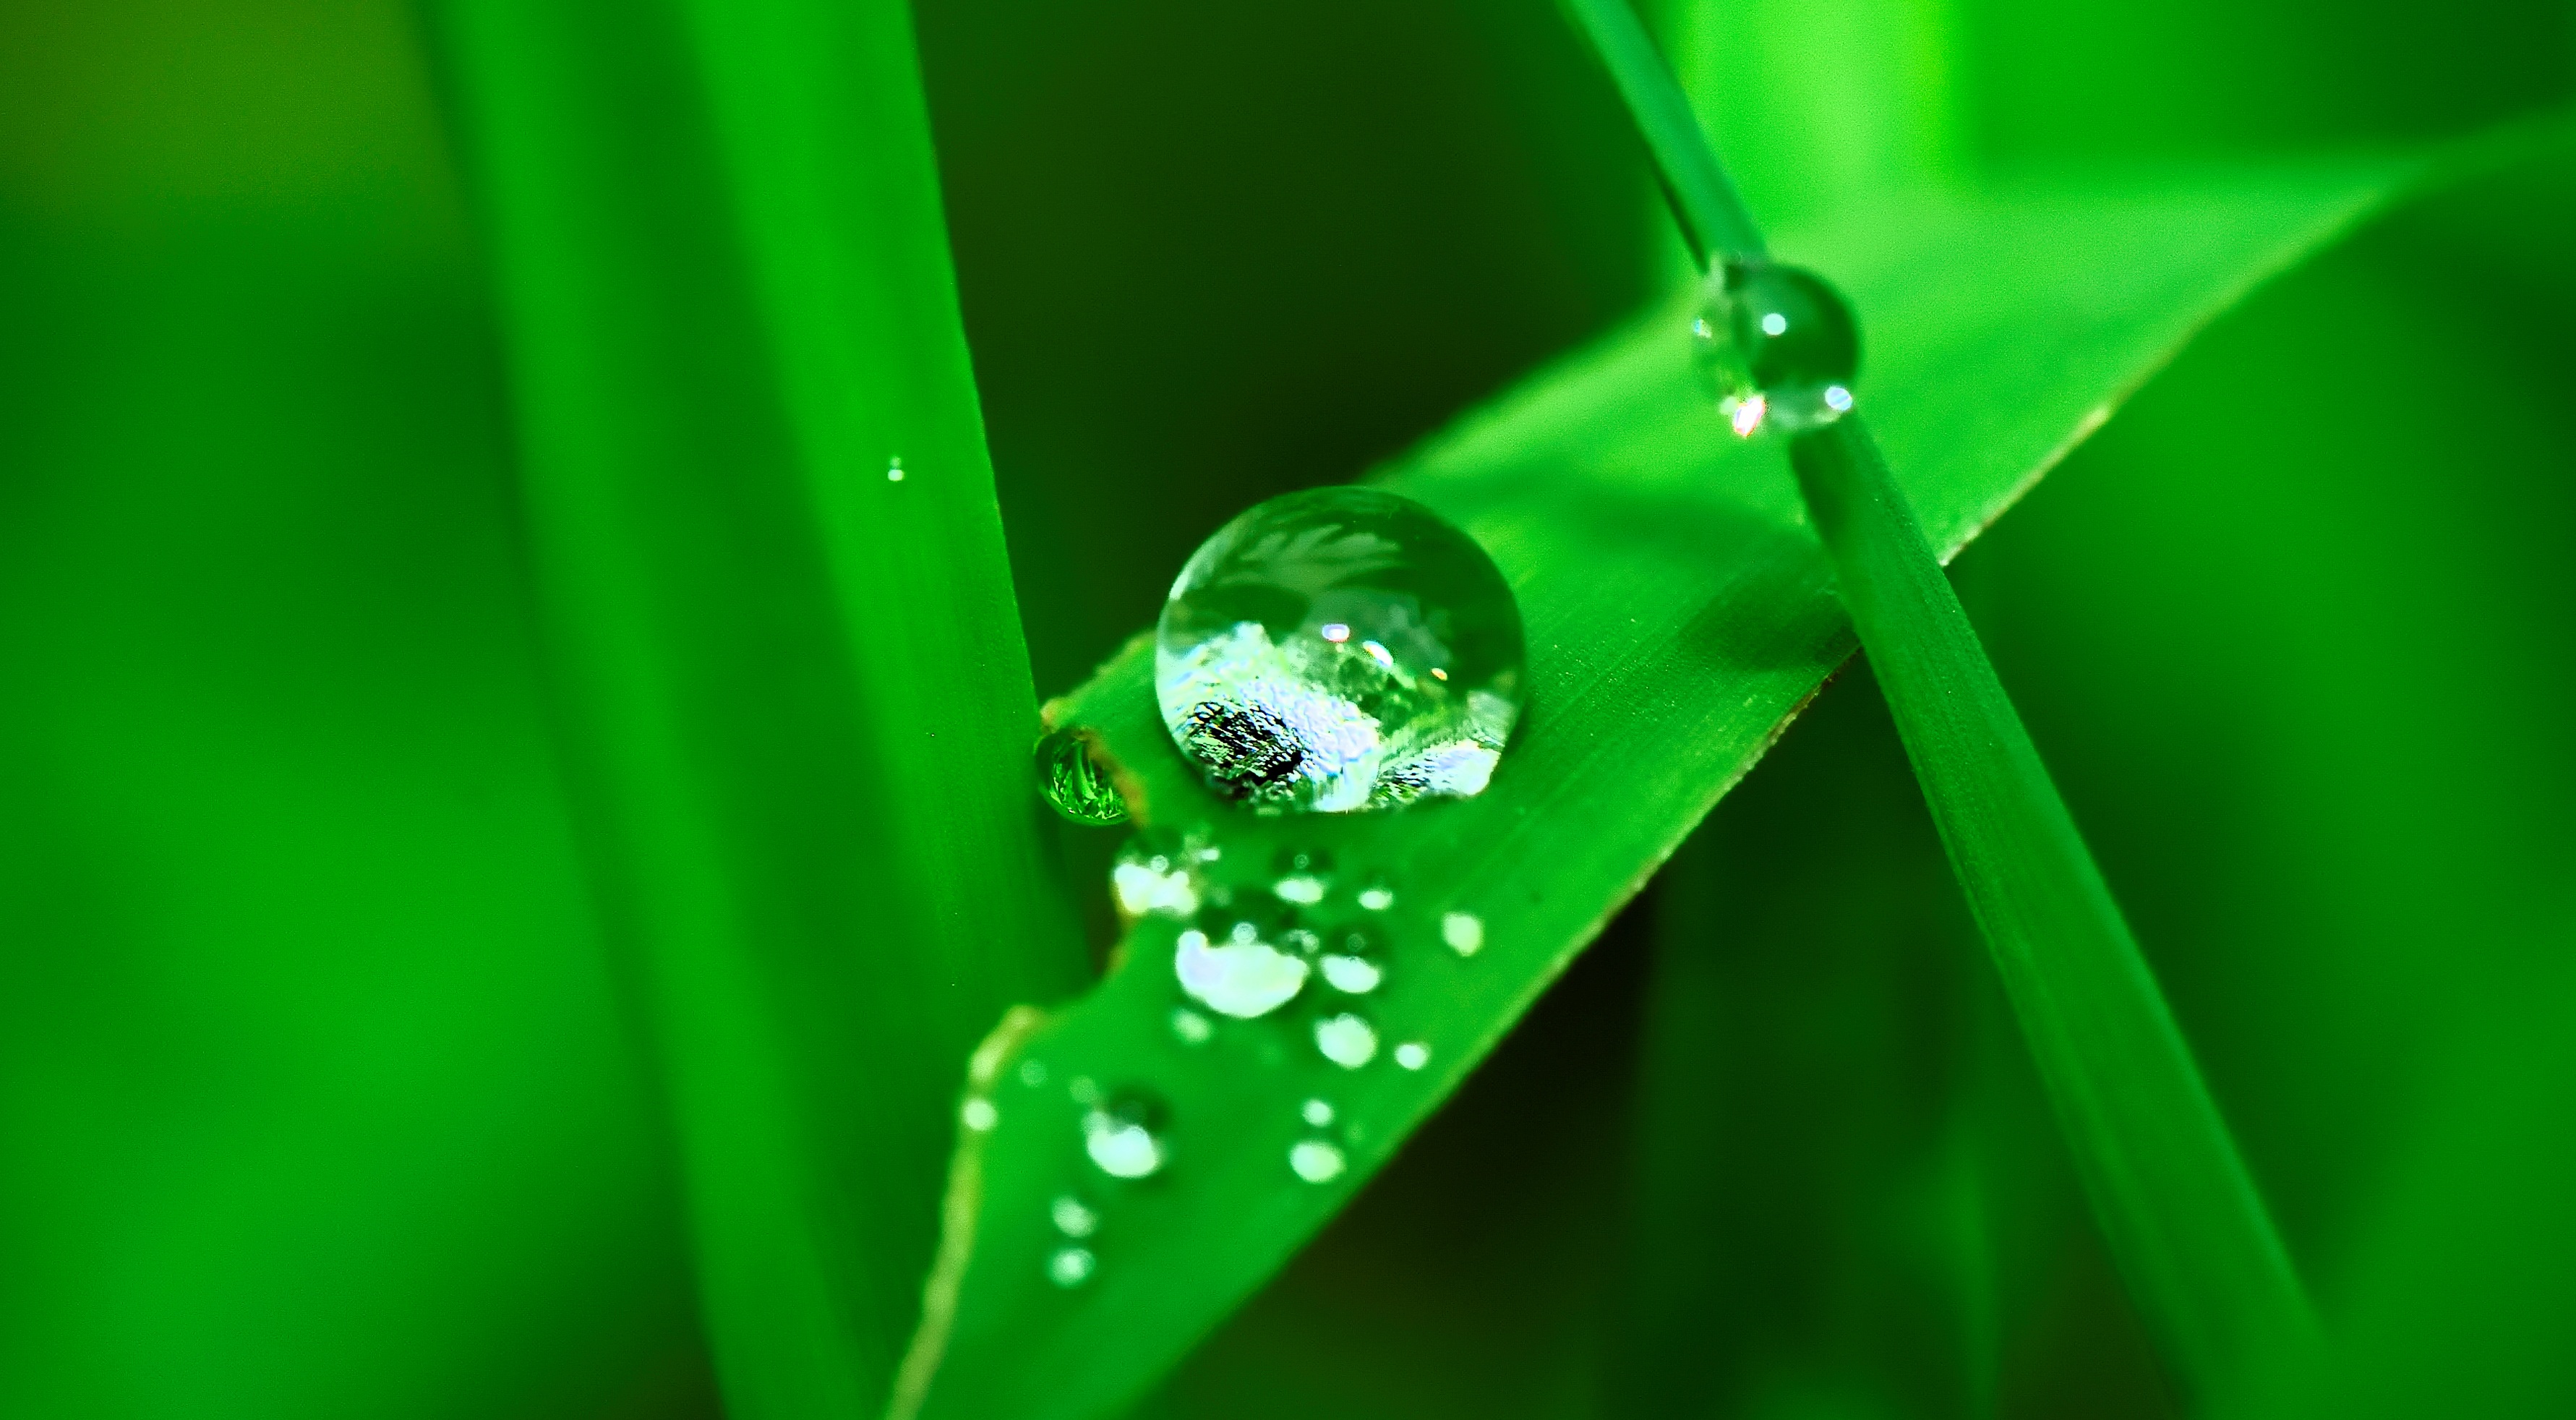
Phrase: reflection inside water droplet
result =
(1347, 1040)
(1071, 1266)
(1073, 1217)
(1315, 1161)
(1295, 661)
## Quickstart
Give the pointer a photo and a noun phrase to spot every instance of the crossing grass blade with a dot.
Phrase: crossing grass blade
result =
(798, 702)
(1680, 608)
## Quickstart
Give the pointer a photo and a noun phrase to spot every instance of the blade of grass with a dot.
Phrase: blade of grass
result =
(795, 689)
(2171, 1191)
(1679, 609)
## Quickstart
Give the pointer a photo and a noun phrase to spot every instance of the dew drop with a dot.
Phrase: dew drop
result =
(1351, 966)
(1463, 931)
(1294, 658)
(1376, 897)
(1071, 1266)
(1316, 1161)
(1413, 1055)
(1779, 346)
(1073, 1217)
(894, 470)
(1121, 1141)
(1303, 877)
(979, 1115)
(1347, 1040)
(1241, 976)
(1316, 1112)
(1190, 1027)
(1156, 876)
(1074, 779)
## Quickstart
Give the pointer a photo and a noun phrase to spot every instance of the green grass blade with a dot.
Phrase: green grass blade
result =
(1713, 218)
(1679, 610)
(2172, 1195)
(797, 695)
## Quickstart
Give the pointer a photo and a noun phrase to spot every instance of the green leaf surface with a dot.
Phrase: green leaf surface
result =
(1679, 611)
(796, 694)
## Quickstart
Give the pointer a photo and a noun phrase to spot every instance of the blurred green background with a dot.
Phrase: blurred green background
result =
(314, 1096)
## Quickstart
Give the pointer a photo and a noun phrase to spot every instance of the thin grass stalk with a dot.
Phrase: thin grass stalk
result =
(2166, 1181)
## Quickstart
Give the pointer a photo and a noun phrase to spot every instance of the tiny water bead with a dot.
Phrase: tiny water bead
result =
(979, 1115)
(1073, 779)
(1347, 1040)
(1316, 1112)
(1412, 1055)
(1463, 931)
(1191, 1027)
(1303, 876)
(1073, 1217)
(1121, 1140)
(894, 470)
(1316, 1161)
(1779, 345)
(1376, 897)
(1351, 966)
(1071, 1266)
(1340, 649)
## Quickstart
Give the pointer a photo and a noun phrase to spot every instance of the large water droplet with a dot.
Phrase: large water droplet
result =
(1121, 1141)
(1339, 649)
(1779, 344)
(1072, 777)
(1347, 1040)
(1316, 1161)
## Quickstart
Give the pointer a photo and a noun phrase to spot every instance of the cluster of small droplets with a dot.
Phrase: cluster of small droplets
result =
(1778, 345)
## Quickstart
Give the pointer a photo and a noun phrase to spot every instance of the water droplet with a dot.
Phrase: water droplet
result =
(894, 470)
(1073, 1217)
(1121, 1140)
(1294, 659)
(1303, 876)
(1347, 1040)
(1376, 897)
(1316, 1161)
(1351, 966)
(1413, 1055)
(1073, 778)
(1190, 1026)
(979, 1115)
(1316, 1112)
(1156, 876)
(1242, 977)
(1463, 931)
(1779, 345)
(1071, 1266)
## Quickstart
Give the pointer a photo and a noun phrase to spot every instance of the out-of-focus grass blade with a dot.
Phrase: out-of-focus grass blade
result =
(1678, 610)
(798, 700)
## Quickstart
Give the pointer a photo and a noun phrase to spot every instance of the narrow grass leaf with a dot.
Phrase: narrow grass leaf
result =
(1679, 611)
(795, 690)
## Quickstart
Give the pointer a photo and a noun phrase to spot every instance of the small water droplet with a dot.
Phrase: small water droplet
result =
(1463, 931)
(1347, 1040)
(1351, 966)
(1074, 778)
(1778, 344)
(979, 1115)
(1033, 1072)
(1316, 1112)
(1376, 897)
(1316, 1161)
(1156, 876)
(894, 470)
(1242, 977)
(1121, 1140)
(1303, 876)
(1191, 1027)
(1294, 657)
(1413, 1055)
(1071, 1266)
(1073, 1217)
